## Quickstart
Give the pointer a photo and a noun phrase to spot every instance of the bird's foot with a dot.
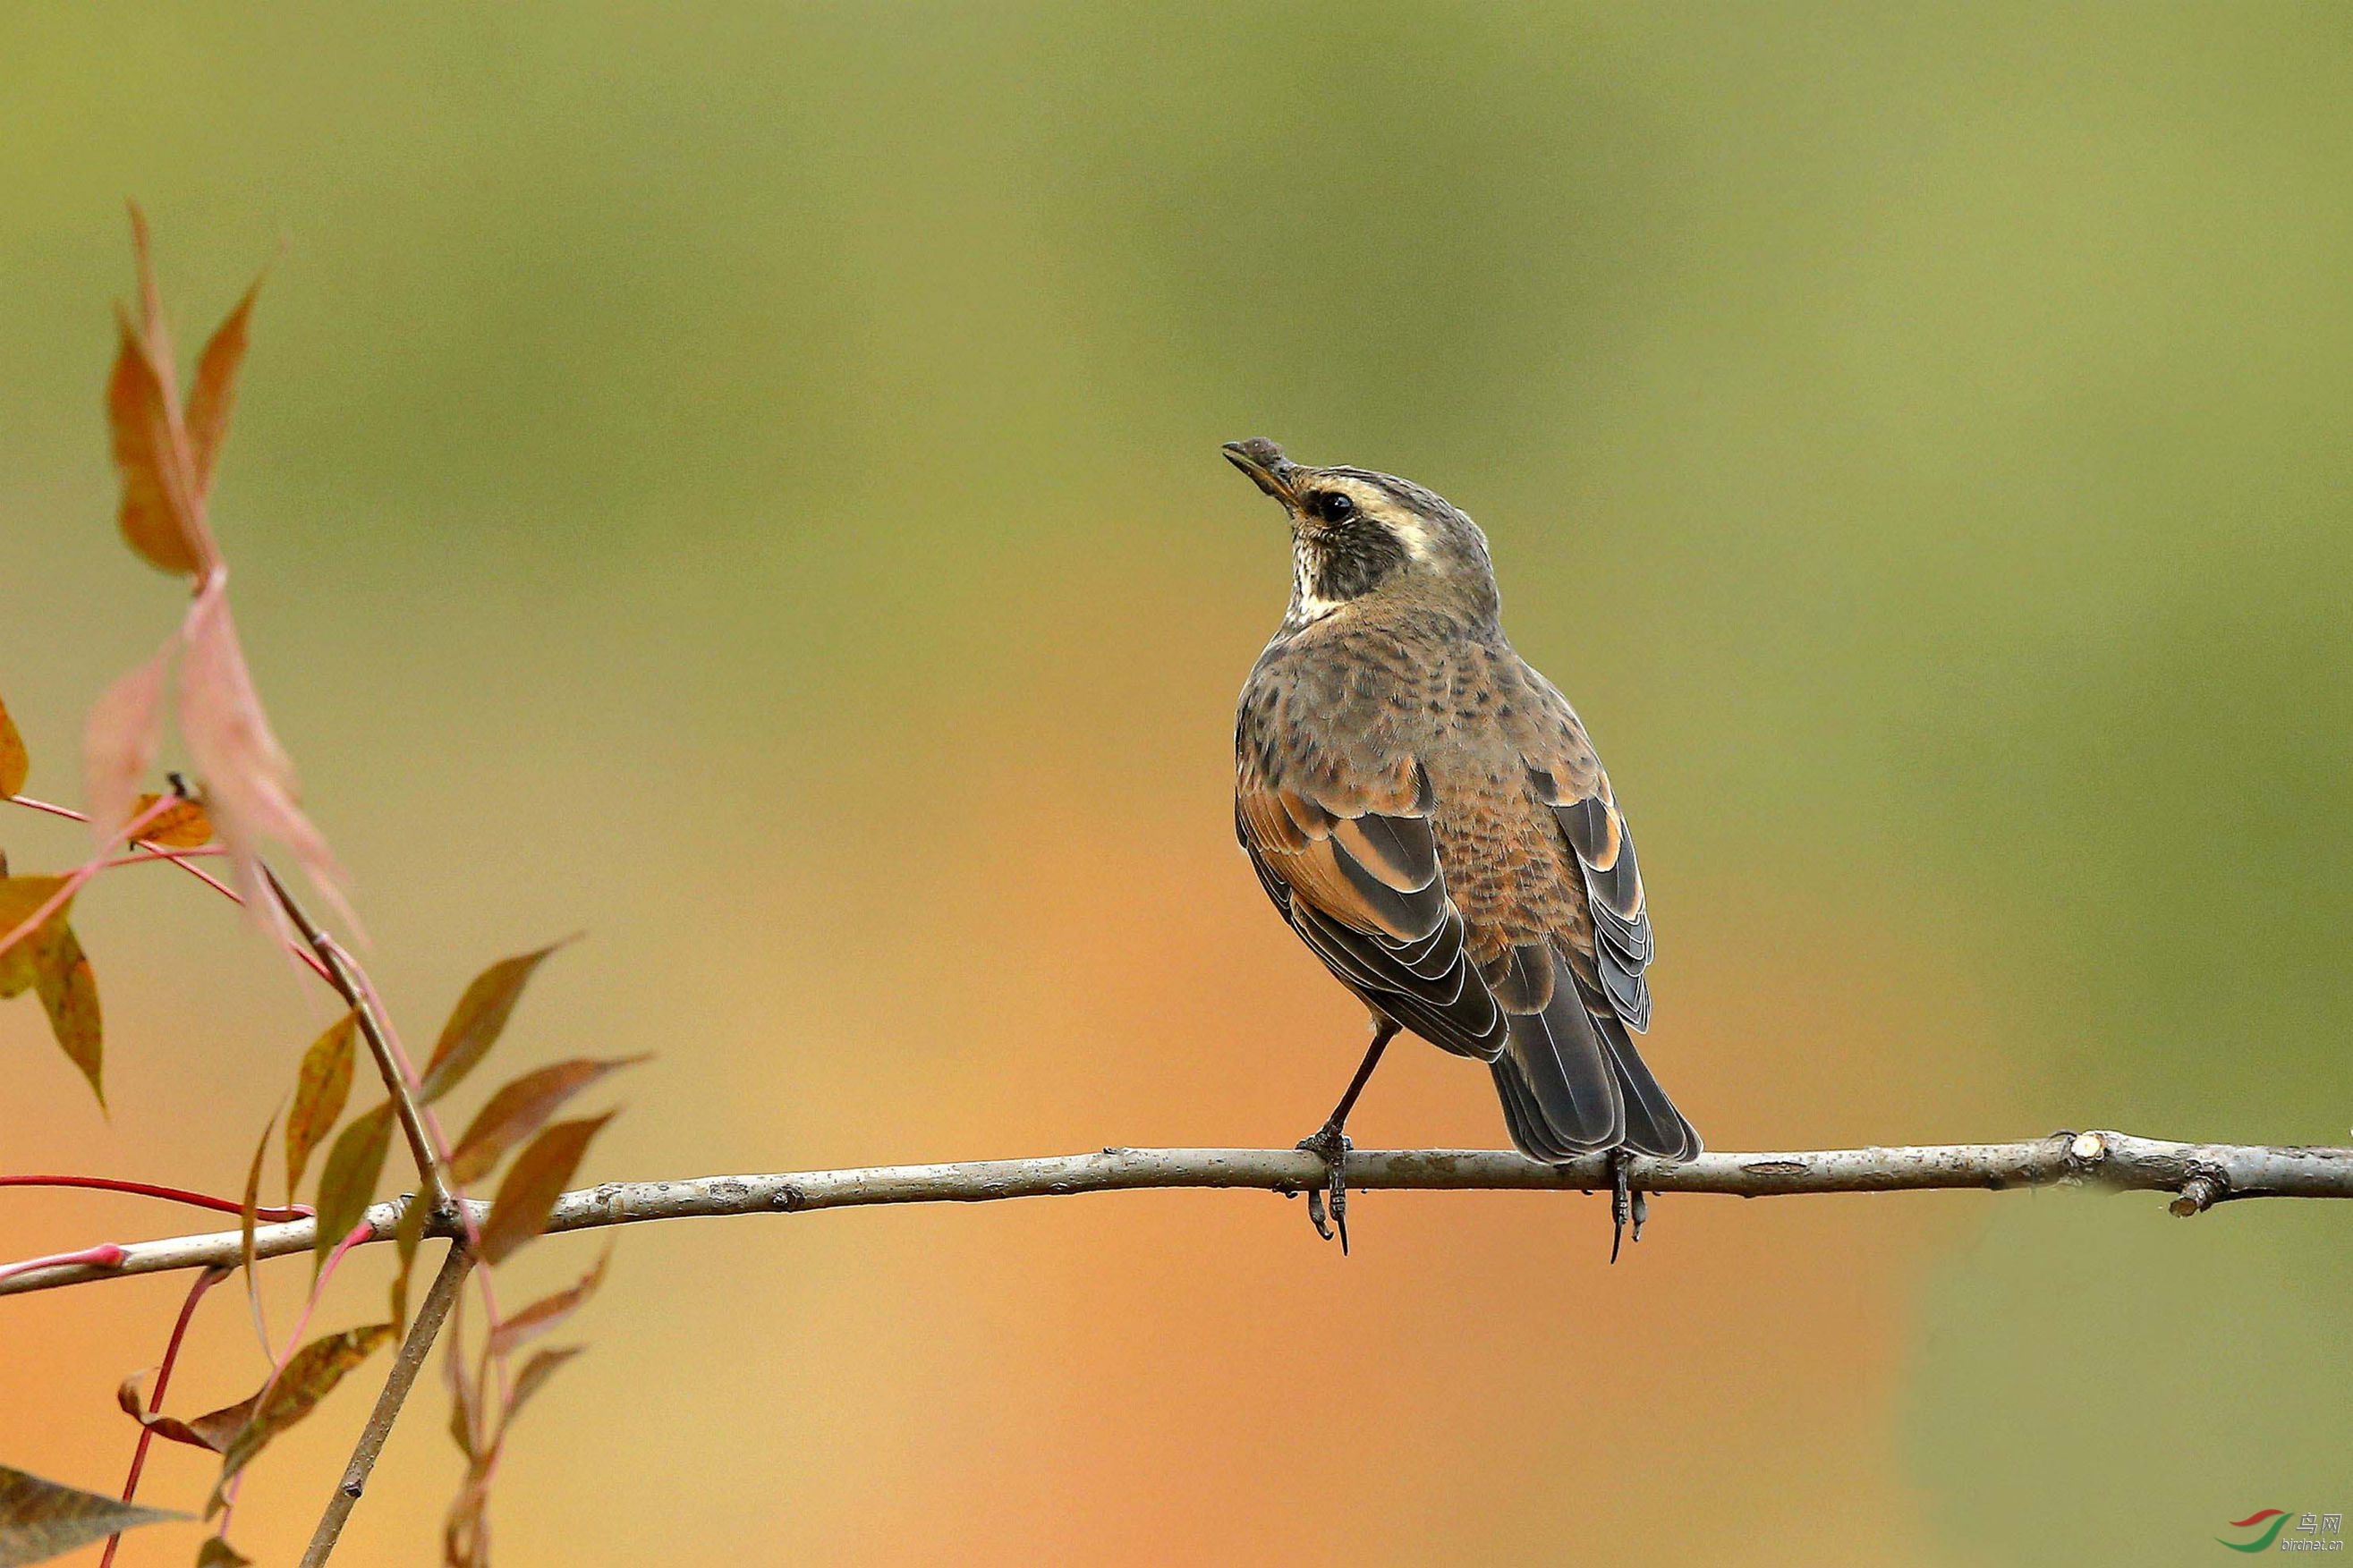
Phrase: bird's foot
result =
(1625, 1202)
(1331, 1146)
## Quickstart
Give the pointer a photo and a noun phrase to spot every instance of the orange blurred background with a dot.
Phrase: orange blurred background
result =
(744, 481)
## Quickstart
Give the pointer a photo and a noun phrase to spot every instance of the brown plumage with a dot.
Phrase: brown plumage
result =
(1427, 812)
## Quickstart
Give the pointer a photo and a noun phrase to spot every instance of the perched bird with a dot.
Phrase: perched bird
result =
(1427, 812)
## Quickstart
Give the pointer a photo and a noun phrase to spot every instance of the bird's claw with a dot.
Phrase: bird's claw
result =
(1331, 1146)
(1625, 1203)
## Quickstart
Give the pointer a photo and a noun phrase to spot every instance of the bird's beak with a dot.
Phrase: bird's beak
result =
(1264, 461)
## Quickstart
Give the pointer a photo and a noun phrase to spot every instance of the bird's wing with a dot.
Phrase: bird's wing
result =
(1351, 863)
(1566, 777)
(1609, 952)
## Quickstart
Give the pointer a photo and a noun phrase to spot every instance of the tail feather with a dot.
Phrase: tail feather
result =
(1560, 1093)
(1571, 1082)
(1653, 1125)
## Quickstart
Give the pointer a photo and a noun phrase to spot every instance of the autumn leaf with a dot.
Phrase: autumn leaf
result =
(539, 1176)
(40, 1520)
(49, 960)
(68, 989)
(547, 1311)
(20, 898)
(466, 1534)
(217, 1552)
(310, 1377)
(118, 745)
(158, 516)
(14, 763)
(347, 1186)
(215, 391)
(535, 1372)
(250, 788)
(320, 1087)
(520, 1109)
(182, 825)
(462, 1425)
(475, 1023)
(210, 1431)
(246, 1214)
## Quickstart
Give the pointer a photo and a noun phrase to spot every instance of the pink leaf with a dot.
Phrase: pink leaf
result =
(248, 780)
(118, 747)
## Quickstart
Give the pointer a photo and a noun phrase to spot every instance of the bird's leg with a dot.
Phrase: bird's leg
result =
(1625, 1203)
(1331, 1144)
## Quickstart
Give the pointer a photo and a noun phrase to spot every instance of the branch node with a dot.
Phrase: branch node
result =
(2087, 1149)
(791, 1198)
(2206, 1187)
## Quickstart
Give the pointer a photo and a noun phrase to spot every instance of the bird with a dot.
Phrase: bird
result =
(1427, 813)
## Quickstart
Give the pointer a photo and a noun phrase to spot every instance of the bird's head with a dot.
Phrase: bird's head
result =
(1354, 534)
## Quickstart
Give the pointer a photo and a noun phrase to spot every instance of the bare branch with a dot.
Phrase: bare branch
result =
(372, 1030)
(2198, 1174)
(430, 1315)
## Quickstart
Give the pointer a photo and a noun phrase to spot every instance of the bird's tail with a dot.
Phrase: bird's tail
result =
(1571, 1083)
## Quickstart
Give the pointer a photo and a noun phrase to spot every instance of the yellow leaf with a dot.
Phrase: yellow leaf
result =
(182, 825)
(320, 1091)
(347, 1186)
(14, 763)
(313, 1372)
(68, 989)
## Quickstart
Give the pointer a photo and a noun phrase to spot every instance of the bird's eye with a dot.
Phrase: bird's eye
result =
(1334, 506)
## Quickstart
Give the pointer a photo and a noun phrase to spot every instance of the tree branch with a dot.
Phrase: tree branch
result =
(347, 985)
(2198, 1174)
(406, 1365)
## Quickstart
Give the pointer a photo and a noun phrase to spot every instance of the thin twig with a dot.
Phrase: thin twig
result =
(178, 857)
(76, 879)
(205, 1281)
(372, 1028)
(2209, 1172)
(406, 1365)
(153, 1190)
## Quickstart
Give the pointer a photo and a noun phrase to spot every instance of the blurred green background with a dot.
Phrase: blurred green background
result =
(743, 481)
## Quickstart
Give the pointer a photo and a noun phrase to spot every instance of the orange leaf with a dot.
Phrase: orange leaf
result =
(310, 1377)
(248, 780)
(40, 1520)
(212, 1431)
(535, 1372)
(548, 1311)
(520, 1109)
(347, 1186)
(158, 515)
(540, 1175)
(182, 825)
(14, 763)
(215, 393)
(320, 1088)
(118, 745)
(475, 1023)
